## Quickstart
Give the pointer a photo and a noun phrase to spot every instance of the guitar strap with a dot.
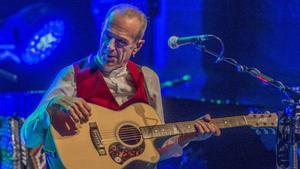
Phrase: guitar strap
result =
(149, 98)
(151, 101)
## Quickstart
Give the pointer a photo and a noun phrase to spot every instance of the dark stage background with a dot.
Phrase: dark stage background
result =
(262, 34)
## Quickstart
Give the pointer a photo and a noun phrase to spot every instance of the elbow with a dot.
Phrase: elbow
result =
(170, 151)
(29, 138)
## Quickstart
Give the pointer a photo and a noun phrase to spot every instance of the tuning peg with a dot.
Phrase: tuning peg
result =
(288, 101)
(265, 131)
(273, 131)
(257, 131)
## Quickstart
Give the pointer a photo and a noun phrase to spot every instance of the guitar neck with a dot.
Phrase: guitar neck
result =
(178, 128)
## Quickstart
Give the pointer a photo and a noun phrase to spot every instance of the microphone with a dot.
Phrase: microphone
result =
(175, 42)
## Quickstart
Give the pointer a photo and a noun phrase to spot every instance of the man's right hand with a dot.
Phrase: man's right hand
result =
(76, 107)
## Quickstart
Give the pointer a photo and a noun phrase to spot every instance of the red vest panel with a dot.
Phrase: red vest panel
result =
(92, 87)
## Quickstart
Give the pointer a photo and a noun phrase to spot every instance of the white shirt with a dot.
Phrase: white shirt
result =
(120, 84)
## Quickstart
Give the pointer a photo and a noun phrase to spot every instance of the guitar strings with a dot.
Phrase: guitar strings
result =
(124, 139)
(125, 135)
(107, 132)
(132, 132)
(114, 138)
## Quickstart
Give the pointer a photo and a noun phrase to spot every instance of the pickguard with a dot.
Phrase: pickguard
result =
(120, 153)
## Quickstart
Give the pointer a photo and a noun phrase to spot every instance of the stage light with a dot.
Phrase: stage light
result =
(44, 42)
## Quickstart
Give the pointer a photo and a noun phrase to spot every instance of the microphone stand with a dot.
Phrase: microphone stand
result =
(3, 73)
(288, 128)
(8, 76)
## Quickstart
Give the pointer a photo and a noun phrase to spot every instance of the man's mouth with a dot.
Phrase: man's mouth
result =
(111, 58)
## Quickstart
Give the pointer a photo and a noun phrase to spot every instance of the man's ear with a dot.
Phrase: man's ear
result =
(139, 45)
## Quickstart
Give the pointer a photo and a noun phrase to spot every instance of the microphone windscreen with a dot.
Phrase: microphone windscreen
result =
(172, 42)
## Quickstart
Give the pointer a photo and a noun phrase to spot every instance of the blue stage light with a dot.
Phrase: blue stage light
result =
(44, 42)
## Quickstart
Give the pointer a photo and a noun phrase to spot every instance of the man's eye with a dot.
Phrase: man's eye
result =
(121, 42)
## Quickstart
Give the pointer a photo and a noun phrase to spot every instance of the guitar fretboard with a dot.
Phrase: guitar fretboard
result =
(188, 127)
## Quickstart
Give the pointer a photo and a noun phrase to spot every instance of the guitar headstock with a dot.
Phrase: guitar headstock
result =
(262, 120)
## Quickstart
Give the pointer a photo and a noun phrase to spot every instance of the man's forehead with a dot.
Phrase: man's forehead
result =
(123, 24)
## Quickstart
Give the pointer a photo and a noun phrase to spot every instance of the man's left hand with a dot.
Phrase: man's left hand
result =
(204, 129)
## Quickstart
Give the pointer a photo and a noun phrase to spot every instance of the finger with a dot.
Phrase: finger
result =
(78, 112)
(87, 106)
(77, 106)
(211, 127)
(204, 125)
(82, 109)
(73, 114)
(217, 130)
(206, 118)
(199, 128)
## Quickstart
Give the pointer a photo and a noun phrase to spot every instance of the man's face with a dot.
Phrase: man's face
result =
(118, 41)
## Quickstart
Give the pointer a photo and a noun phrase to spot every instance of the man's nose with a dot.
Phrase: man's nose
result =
(111, 44)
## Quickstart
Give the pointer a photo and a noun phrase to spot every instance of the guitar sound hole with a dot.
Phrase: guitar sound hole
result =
(129, 134)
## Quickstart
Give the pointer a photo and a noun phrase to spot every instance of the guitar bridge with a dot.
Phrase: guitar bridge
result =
(96, 139)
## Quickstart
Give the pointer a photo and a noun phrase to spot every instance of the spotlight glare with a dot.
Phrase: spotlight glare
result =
(44, 42)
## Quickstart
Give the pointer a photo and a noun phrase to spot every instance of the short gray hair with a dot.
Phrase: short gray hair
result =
(130, 11)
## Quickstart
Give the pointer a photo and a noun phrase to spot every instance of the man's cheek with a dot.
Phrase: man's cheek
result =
(122, 58)
(103, 58)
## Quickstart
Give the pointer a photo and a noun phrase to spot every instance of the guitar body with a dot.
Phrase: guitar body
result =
(109, 140)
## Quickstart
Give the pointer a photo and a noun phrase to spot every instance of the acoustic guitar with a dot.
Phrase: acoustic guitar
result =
(124, 139)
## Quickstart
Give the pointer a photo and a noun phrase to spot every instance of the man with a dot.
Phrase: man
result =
(108, 79)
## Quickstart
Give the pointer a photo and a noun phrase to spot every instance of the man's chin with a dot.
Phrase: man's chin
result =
(109, 67)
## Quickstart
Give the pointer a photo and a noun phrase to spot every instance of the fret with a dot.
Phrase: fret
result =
(167, 129)
(172, 129)
(186, 127)
(228, 122)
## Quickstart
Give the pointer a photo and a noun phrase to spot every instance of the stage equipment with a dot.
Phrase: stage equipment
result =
(15, 155)
(176, 82)
(175, 42)
(8, 76)
(288, 128)
(7, 54)
(44, 42)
